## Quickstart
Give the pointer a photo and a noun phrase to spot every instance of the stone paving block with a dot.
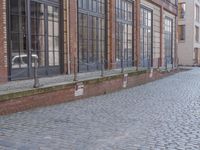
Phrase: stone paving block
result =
(161, 115)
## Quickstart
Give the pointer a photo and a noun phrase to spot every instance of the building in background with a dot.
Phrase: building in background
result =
(188, 31)
(68, 36)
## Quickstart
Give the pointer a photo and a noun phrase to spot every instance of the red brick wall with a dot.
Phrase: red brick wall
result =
(137, 32)
(73, 43)
(111, 34)
(3, 43)
(66, 92)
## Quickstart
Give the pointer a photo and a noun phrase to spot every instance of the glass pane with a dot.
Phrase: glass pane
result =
(40, 11)
(50, 43)
(41, 51)
(40, 27)
(56, 14)
(14, 23)
(33, 9)
(50, 28)
(56, 29)
(51, 58)
(56, 44)
(14, 6)
(50, 13)
(57, 60)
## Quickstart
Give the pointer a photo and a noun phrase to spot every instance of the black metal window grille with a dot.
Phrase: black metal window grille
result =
(168, 40)
(33, 33)
(18, 34)
(124, 33)
(146, 34)
(91, 34)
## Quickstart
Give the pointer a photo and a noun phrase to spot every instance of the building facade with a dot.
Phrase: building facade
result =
(188, 29)
(67, 36)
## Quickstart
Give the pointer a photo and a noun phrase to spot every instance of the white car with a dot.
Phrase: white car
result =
(22, 60)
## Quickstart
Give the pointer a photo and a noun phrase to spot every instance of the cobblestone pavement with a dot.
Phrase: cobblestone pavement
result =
(161, 115)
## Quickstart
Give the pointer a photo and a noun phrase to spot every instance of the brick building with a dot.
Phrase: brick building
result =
(69, 36)
(188, 30)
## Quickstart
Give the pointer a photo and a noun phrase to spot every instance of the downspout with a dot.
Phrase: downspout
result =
(161, 37)
(68, 40)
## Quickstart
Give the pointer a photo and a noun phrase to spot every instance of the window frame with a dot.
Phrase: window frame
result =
(181, 12)
(181, 33)
(196, 34)
(100, 16)
(127, 22)
(24, 73)
(170, 38)
(151, 29)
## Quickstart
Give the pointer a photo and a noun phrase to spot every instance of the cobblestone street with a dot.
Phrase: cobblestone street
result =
(164, 114)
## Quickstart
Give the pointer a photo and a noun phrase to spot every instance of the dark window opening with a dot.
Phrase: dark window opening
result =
(146, 36)
(91, 35)
(124, 33)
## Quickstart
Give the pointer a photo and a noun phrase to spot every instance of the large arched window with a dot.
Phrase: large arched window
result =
(124, 33)
(91, 34)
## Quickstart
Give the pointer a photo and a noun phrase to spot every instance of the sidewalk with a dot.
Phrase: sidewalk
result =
(18, 96)
(22, 85)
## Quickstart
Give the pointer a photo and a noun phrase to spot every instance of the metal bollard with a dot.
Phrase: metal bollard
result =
(36, 79)
(75, 70)
(102, 67)
(122, 61)
(165, 63)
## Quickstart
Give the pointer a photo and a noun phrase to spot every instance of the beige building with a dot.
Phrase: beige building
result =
(188, 31)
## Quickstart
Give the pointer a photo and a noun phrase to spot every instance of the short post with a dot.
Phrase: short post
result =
(137, 65)
(149, 62)
(102, 67)
(159, 64)
(36, 79)
(75, 71)
(122, 61)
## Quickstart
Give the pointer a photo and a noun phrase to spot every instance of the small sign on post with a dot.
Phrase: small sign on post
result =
(151, 73)
(79, 89)
(125, 80)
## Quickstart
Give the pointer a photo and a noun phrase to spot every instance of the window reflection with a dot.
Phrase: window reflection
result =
(146, 37)
(91, 28)
(18, 33)
(124, 27)
(168, 40)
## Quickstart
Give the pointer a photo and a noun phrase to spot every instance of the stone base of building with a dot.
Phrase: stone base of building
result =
(51, 95)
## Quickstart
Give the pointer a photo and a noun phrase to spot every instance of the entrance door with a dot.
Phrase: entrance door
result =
(34, 34)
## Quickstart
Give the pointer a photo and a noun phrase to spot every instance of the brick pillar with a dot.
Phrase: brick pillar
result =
(73, 43)
(137, 32)
(161, 37)
(3, 43)
(111, 33)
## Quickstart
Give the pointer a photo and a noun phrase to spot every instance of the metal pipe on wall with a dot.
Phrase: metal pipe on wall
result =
(68, 51)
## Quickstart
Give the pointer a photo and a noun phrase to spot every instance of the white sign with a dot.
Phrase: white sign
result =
(151, 73)
(79, 89)
(125, 80)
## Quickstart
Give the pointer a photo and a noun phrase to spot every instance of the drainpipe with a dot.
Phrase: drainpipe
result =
(161, 37)
(68, 51)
